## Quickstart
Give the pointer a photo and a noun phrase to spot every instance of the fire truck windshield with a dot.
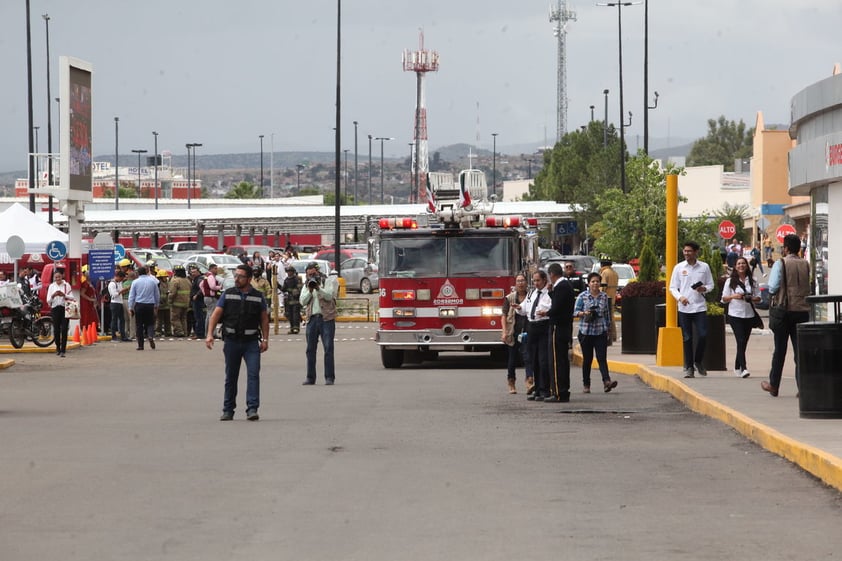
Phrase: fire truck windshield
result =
(427, 256)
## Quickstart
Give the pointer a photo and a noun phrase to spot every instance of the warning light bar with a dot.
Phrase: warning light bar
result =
(509, 221)
(405, 223)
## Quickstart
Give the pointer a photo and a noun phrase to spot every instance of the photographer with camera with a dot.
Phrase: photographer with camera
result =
(319, 299)
(691, 279)
(592, 306)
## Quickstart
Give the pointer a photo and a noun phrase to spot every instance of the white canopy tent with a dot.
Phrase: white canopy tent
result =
(36, 233)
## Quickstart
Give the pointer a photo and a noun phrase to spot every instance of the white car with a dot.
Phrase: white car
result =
(228, 263)
(301, 268)
(624, 271)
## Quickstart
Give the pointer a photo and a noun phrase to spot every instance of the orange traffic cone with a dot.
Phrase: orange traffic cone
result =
(76, 337)
(84, 338)
(91, 334)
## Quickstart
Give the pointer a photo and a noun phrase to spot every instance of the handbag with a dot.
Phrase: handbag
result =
(71, 309)
(778, 306)
(757, 321)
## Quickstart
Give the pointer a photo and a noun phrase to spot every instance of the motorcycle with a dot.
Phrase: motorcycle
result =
(26, 323)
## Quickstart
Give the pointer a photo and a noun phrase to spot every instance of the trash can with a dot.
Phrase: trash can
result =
(820, 364)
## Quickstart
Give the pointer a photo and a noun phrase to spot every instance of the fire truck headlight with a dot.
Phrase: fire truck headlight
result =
(422, 294)
(404, 312)
(403, 295)
(447, 312)
(472, 293)
(494, 311)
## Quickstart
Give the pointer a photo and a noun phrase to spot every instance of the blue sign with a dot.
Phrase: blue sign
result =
(100, 264)
(56, 250)
(119, 251)
(566, 228)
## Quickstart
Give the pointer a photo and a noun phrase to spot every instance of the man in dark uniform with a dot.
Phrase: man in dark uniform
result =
(245, 331)
(561, 333)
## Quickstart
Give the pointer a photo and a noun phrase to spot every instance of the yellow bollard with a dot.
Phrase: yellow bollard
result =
(670, 344)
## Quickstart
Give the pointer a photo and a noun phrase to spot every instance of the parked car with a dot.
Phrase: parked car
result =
(359, 274)
(624, 271)
(237, 250)
(173, 247)
(582, 265)
(329, 253)
(301, 268)
(545, 255)
(222, 260)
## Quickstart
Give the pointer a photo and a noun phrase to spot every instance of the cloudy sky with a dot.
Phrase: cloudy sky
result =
(222, 73)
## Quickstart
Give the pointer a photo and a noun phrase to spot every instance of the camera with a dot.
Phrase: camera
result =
(313, 282)
(594, 312)
(696, 285)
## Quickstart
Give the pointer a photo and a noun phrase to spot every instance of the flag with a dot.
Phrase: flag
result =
(431, 201)
(464, 194)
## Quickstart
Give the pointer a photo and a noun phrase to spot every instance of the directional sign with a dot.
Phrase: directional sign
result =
(727, 230)
(100, 264)
(783, 231)
(119, 251)
(56, 250)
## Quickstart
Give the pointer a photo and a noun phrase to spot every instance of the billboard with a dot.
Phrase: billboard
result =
(76, 123)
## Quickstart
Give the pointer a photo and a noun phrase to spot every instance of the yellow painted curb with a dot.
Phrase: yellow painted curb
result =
(819, 463)
(8, 363)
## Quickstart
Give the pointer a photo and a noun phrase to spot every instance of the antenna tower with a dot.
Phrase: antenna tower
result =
(561, 16)
(420, 62)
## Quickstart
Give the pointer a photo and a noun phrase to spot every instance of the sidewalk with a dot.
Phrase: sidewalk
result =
(815, 445)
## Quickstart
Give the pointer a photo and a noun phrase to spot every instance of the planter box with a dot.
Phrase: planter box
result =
(715, 355)
(639, 331)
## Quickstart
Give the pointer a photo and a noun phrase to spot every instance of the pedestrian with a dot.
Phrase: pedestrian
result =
(739, 293)
(262, 284)
(211, 290)
(593, 309)
(561, 333)
(59, 294)
(534, 307)
(572, 277)
(179, 297)
(3, 280)
(292, 306)
(88, 300)
(143, 306)
(245, 332)
(118, 319)
(514, 328)
(319, 299)
(789, 285)
(756, 261)
(197, 302)
(691, 279)
(163, 327)
(767, 247)
(610, 284)
(131, 275)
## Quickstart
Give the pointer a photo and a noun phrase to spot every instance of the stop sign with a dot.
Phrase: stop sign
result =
(727, 230)
(783, 231)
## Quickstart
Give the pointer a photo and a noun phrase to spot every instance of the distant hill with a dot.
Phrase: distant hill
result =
(673, 151)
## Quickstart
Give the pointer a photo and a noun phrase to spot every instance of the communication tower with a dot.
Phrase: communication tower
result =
(420, 62)
(561, 15)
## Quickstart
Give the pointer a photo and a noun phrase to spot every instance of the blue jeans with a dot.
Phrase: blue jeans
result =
(519, 350)
(689, 323)
(199, 318)
(319, 327)
(236, 351)
(118, 321)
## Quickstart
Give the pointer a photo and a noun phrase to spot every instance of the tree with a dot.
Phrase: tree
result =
(629, 218)
(725, 141)
(243, 190)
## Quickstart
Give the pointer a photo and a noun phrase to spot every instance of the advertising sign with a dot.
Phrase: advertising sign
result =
(75, 119)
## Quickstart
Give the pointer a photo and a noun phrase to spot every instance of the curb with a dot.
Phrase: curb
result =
(8, 363)
(819, 463)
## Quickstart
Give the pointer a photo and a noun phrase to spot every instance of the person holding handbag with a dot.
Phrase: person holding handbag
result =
(514, 325)
(740, 293)
(58, 295)
(789, 285)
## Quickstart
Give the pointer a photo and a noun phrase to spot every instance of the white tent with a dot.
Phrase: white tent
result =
(36, 233)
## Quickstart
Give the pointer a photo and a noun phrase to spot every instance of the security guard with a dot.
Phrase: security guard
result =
(245, 330)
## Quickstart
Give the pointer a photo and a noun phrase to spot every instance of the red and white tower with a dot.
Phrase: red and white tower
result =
(420, 62)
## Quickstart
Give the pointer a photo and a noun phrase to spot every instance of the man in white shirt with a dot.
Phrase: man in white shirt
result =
(535, 307)
(691, 279)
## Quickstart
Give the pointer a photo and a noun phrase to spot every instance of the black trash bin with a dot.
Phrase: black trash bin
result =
(820, 370)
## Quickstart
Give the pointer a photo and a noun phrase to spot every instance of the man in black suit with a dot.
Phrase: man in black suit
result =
(561, 333)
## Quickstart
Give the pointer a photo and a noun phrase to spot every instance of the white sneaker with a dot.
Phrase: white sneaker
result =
(738, 373)
(745, 374)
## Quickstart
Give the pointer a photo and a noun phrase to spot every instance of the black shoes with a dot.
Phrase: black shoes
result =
(329, 382)
(152, 343)
(252, 415)
(308, 383)
(227, 416)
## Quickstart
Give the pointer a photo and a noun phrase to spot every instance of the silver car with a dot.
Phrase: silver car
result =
(359, 274)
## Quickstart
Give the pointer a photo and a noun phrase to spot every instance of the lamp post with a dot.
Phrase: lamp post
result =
(411, 174)
(49, 121)
(620, 6)
(382, 139)
(646, 78)
(35, 128)
(261, 166)
(192, 145)
(529, 168)
(139, 152)
(30, 117)
(298, 168)
(356, 163)
(346, 150)
(592, 113)
(188, 146)
(646, 123)
(272, 166)
(605, 122)
(369, 169)
(155, 163)
(494, 166)
(116, 163)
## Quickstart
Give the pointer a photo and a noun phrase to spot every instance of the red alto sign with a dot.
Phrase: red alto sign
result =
(727, 230)
(783, 231)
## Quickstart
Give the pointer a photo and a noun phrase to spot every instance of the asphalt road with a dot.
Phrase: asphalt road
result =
(113, 454)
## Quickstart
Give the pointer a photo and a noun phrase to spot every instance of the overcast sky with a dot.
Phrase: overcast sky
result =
(222, 73)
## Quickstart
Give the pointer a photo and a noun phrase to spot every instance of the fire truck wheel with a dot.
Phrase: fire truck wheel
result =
(391, 358)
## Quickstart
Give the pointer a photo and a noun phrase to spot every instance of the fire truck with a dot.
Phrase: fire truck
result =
(444, 273)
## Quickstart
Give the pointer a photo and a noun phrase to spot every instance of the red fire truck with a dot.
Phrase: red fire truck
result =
(444, 274)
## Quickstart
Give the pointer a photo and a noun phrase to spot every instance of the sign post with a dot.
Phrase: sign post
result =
(15, 247)
(101, 259)
(727, 230)
(783, 231)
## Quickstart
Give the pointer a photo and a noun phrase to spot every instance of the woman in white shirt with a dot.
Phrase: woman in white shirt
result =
(739, 292)
(58, 295)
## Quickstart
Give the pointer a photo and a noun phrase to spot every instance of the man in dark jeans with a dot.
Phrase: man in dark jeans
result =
(691, 280)
(792, 274)
(197, 302)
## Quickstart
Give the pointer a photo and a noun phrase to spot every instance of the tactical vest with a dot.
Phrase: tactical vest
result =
(241, 314)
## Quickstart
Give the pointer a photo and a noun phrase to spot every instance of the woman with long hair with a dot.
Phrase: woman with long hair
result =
(593, 309)
(739, 292)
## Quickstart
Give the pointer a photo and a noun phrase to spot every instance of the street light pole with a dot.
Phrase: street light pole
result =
(382, 139)
(116, 163)
(189, 146)
(592, 113)
(494, 166)
(272, 166)
(139, 152)
(529, 168)
(30, 117)
(346, 150)
(49, 121)
(298, 176)
(189, 194)
(356, 163)
(261, 166)
(155, 162)
(369, 169)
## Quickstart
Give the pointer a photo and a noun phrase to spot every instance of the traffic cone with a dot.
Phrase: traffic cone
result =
(76, 337)
(92, 338)
(84, 338)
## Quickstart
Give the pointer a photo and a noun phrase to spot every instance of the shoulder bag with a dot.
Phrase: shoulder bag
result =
(778, 305)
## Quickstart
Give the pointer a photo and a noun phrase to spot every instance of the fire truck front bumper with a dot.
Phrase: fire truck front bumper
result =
(443, 340)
